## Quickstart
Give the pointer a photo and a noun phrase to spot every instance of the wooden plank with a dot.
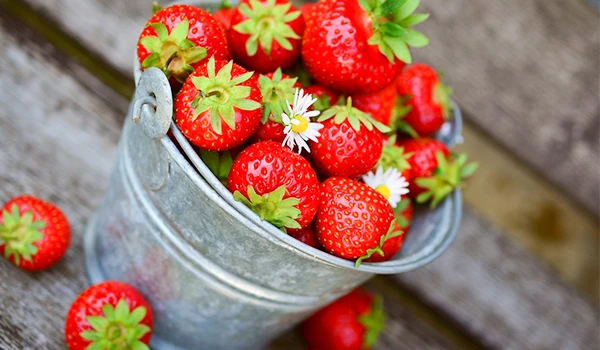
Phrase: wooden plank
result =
(58, 137)
(526, 72)
(508, 299)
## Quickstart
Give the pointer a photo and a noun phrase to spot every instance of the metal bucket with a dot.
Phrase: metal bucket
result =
(216, 276)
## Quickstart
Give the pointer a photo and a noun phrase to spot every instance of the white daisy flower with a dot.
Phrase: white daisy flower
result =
(298, 127)
(390, 183)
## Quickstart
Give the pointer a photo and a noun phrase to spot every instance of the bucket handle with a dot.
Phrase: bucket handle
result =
(153, 103)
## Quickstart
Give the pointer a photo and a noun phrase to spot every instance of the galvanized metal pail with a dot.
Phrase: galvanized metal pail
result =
(216, 276)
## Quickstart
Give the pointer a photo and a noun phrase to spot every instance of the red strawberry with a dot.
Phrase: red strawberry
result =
(352, 218)
(276, 88)
(426, 97)
(178, 38)
(223, 16)
(34, 234)
(349, 145)
(351, 323)
(380, 105)
(358, 47)
(435, 172)
(109, 315)
(325, 97)
(218, 107)
(307, 10)
(307, 236)
(403, 215)
(279, 185)
(266, 34)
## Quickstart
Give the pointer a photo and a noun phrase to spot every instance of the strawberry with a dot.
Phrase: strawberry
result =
(325, 97)
(266, 34)
(307, 10)
(223, 16)
(435, 172)
(426, 98)
(403, 215)
(352, 322)
(109, 315)
(178, 39)
(276, 89)
(352, 218)
(350, 143)
(34, 234)
(218, 107)
(306, 235)
(360, 46)
(277, 184)
(380, 105)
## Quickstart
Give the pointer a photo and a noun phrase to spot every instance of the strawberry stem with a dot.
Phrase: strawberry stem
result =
(271, 207)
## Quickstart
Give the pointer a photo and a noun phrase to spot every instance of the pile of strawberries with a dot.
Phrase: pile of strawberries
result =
(310, 116)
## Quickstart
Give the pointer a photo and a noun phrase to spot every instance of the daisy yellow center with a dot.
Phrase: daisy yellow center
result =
(384, 190)
(301, 126)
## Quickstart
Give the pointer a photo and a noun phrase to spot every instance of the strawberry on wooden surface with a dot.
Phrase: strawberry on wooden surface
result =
(352, 217)
(352, 322)
(358, 47)
(109, 315)
(350, 143)
(276, 89)
(179, 38)
(426, 98)
(267, 34)
(435, 172)
(34, 234)
(219, 106)
(277, 184)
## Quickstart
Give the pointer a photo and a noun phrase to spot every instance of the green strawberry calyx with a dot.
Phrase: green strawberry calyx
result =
(374, 323)
(391, 22)
(220, 93)
(172, 52)
(276, 91)
(267, 21)
(393, 156)
(399, 112)
(403, 222)
(271, 207)
(449, 175)
(391, 233)
(355, 117)
(18, 234)
(117, 329)
(442, 95)
(219, 163)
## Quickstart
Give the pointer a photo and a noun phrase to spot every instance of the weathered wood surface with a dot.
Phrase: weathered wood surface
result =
(508, 299)
(58, 135)
(526, 72)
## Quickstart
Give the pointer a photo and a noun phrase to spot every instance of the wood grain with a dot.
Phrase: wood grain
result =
(510, 300)
(526, 73)
(58, 137)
